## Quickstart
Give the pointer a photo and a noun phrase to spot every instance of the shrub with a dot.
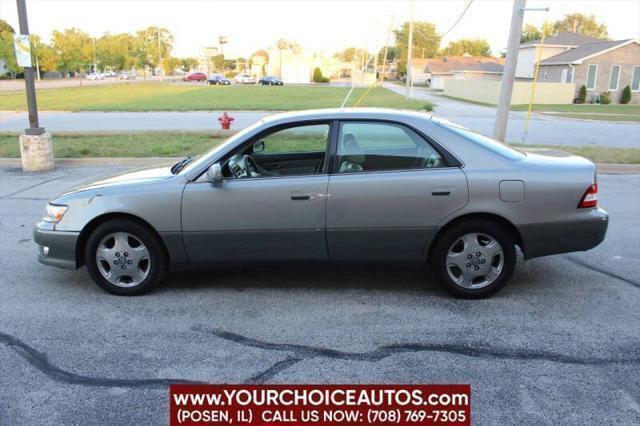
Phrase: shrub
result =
(582, 94)
(605, 98)
(317, 76)
(626, 95)
(230, 74)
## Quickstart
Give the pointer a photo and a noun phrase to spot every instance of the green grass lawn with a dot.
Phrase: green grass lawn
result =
(178, 144)
(199, 97)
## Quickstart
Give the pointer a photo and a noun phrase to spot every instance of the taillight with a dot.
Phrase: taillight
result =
(590, 197)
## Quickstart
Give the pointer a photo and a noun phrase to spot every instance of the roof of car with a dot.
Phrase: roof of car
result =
(344, 113)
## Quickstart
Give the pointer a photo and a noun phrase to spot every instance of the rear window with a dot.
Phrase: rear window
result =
(491, 144)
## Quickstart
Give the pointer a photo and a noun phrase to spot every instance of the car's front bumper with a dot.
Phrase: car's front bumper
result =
(55, 248)
(583, 234)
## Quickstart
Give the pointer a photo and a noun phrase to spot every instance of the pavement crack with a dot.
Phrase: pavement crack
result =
(382, 352)
(603, 271)
(278, 367)
(41, 362)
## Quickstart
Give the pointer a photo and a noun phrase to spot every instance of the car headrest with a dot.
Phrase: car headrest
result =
(351, 150)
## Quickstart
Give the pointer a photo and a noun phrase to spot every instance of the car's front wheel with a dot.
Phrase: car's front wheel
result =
(474, 259)
(125, 258)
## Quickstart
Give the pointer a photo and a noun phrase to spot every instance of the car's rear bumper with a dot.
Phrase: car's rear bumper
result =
(55, 248)
(544, 239)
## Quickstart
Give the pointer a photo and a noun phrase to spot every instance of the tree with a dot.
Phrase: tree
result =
(352, 53)
(153, 44)
(188, 64)
(426, 42)
(7, 52)
(116, 51)
(74, 49)
(393, 53)
(473, 47)
(582, 94)
(581, 24)
(530, 32)
(169, 64)
(218, 62)
(625, 98)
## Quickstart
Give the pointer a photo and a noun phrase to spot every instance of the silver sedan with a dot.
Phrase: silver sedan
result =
(346, 185)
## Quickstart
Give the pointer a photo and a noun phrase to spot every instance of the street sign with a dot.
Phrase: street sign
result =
(23, 50)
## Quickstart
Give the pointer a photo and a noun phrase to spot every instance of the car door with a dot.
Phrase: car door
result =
(271, 217)
(388, 191)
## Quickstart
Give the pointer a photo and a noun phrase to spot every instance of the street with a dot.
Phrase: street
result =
(560, 344)
(543, 129)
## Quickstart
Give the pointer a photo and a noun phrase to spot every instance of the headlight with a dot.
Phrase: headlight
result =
(53, 213)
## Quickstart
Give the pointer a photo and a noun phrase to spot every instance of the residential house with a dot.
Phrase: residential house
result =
(529, 52)
(418, 70)
(603, 66)
(439, 70)
(491, 71)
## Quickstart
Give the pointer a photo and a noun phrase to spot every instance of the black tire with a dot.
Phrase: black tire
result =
(157, 253)
(451, 235)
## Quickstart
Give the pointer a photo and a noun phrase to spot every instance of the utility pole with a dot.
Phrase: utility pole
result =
(95, 61)
(508, 74)
(159, 53)
(222, 40)
(34, 128)
(36, 147)
(410, 54)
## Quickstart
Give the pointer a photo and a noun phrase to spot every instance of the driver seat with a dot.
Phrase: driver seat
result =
(353, 158)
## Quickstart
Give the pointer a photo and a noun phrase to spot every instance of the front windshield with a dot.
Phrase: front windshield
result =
(492, 144)
(199, 160)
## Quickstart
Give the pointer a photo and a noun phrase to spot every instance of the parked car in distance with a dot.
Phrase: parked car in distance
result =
(95, 76)
(195, 76)
(336, 185)
(218, 79)
(110, 74)
(244, 79)
(270, 81)
(127, 76)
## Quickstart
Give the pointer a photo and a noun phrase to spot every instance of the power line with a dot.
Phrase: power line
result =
(457, 20)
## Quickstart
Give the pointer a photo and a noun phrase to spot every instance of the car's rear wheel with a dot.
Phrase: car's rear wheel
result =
(125, 258)
(474, 259)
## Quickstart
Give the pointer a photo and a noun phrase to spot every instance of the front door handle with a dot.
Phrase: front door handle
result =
(300, 196)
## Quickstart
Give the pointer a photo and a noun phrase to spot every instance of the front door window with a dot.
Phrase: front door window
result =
(294, 151)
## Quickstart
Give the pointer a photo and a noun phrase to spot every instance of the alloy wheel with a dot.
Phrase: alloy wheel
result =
(474, 260)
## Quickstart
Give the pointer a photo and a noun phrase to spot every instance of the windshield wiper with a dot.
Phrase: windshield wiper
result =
(180, 164)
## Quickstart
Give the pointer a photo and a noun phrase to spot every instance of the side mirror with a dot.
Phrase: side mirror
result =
(258, 146)
(214, 174)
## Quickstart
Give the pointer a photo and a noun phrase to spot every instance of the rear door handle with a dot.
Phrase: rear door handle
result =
(300, 196)
(441, 191)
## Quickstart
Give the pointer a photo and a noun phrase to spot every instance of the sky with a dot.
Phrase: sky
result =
(326, 25)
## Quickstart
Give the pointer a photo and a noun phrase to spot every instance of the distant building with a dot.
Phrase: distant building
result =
(602, 66)
(439, 70)
(205, 59)
(480, 71)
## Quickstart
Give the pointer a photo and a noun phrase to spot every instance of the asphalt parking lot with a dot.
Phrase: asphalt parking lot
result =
(560, 344)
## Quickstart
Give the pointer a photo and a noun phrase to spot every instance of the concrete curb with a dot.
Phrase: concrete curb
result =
(606, 169)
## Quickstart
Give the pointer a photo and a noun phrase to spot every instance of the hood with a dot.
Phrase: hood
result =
(128, 178)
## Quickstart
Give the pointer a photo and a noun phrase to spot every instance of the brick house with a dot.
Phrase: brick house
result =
(603, 66)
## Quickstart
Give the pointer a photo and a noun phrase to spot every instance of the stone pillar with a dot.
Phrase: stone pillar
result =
(36, 152)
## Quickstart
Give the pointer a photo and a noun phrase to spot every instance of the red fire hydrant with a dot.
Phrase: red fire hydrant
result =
(225, 121)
